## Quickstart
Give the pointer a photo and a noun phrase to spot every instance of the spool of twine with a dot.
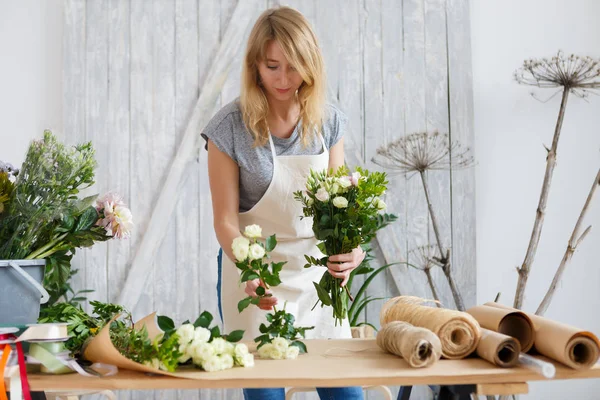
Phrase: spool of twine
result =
(458, 332)
(418, 346)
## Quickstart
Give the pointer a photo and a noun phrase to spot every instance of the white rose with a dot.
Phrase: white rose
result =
(335, 188)
(212, 364)
(256, 252)
(292, 352)
(310, 202)
(344, 182)
(185, 356)
(220, 345)
(355, 178)
(247, 361)
(281, 343)
(253, 231)
(265, 350)
(240, 248)
(240, 350)
(340, 202)
(380, 204)
(227, 361)
(276, 354)
(185, 333)
(229, 348)
(201, 351)
(201, 334)
(322, 195)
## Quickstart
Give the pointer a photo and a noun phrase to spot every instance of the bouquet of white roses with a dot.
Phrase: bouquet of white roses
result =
(345, 208)
(281, 339)
(249, 253)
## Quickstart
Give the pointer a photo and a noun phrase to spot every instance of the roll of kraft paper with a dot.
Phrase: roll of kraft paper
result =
(513, 323)
(418, 346)
(458, 331)
(499, 349)
(571, 346)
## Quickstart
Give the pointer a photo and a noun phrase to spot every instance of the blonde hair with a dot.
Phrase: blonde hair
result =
(299, 44)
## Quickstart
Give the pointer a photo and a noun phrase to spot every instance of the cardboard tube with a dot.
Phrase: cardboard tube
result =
(571, 346)
(508, 322)
(499, 349)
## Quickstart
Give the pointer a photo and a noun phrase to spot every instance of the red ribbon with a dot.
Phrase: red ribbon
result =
(22, 366)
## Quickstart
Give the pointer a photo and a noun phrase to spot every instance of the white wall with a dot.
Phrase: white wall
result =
(30, 73)
(510, 128)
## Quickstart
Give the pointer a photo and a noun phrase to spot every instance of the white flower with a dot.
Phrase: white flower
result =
(310, 201)
(220, 345)
(355, 178)
(240, 248)
(154, 363)
(185, 333)
(380, 204)
(322, 195)
(253, 231)
(240, 350)
(276, 354)
(227, 361)
(280, 343)
(335, 188)
(246, 361)
(201, 334)
(265, 350)
(201, 351)
(256, 252)
(185, 356)
(340, 202)
(229, 348)
(212, 364)
(292, 352)
(344, 182)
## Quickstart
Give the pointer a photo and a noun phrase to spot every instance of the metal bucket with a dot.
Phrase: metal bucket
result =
(21, 291)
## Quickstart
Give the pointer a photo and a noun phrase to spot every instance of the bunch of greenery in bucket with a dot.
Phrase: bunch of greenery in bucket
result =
(281, 339)
(346, 210)
(42, 215)
(249, 253)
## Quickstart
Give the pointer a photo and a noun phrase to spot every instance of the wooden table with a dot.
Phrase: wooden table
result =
(329, 363)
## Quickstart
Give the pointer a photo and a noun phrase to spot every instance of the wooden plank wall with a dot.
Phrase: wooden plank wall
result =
(132, 73)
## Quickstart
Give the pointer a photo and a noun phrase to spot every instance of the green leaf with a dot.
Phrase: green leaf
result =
(255, 300)
(271, 242)
(203, 320)
(272, 280)
(263, 328)
(235, 336)
(323, 295)
(249, 275)
(322, 247)
(277, 267)
(299, 345)
(260, 291)
(215, 332)
(86, 220)
(165, 323)
(244, 303)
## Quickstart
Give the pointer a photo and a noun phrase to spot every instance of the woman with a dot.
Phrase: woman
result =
(260, 150)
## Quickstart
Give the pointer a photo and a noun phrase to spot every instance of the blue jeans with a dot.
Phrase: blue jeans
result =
(343, 393)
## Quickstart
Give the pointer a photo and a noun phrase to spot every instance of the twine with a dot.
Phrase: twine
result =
(418, 346)
(458, 332)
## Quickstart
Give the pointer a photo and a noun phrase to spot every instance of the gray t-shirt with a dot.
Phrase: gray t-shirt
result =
(229, 134)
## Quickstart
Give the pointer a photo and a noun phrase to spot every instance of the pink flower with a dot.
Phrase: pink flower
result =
(116, 218)
(354, 178)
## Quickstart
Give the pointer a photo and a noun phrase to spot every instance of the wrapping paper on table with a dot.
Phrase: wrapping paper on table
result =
(571, 346)
(513, 323)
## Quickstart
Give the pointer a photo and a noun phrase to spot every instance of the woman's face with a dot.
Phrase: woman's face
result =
(279, 79)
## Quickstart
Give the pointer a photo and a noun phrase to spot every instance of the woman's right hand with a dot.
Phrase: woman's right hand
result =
(265, 303)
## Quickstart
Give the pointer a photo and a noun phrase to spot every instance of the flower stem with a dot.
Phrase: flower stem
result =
(44, 249)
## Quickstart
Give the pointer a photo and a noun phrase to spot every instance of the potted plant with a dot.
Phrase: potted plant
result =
(43, 221)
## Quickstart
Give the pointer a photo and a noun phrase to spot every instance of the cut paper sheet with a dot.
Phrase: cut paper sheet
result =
(571, 346)
(513, 323)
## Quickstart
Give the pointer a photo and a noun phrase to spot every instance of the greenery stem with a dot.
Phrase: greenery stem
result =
(44, 249)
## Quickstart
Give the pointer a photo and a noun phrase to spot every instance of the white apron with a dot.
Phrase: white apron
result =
(277, 212)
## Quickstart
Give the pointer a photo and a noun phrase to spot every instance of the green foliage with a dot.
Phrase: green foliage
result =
(281, 324)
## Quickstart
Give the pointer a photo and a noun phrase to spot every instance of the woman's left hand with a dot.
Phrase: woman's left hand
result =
(341, 265)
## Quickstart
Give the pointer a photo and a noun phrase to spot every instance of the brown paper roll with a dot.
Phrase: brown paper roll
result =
(499, 349)
(571, 346)
(418, 346)
(512, 323)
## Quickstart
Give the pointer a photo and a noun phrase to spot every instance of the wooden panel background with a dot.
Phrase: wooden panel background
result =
(132, 73)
